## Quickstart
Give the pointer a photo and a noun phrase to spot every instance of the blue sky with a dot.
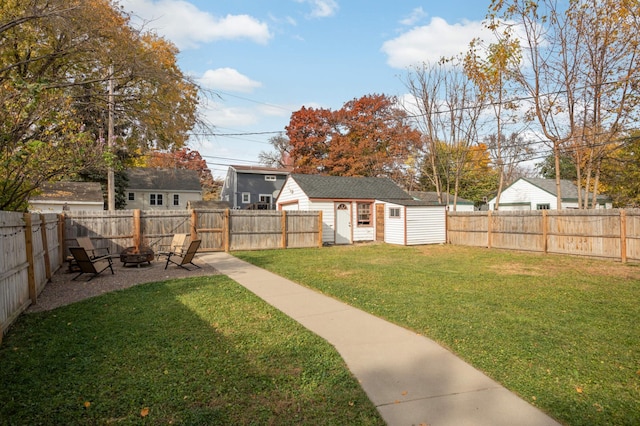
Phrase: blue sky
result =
(267, 59)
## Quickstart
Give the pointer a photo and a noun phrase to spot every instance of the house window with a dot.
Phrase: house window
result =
(132, 196)
(270, 178)
(246, 197)
(394, 212)
(176, 199)
(155, 199)
(543, 206)
(364, 214)
(265, 198)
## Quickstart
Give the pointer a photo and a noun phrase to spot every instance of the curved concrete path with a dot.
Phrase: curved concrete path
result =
(410, 379)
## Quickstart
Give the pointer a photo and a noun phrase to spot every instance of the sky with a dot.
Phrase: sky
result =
(265, 59)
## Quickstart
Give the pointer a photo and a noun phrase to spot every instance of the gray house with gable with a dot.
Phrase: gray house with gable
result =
(251, 187)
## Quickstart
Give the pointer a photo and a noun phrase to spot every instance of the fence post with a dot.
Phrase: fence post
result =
(137, 233)
(61, 236)
(45, 246)
(489, 228)
(226, 230)
(283, 225)
(623, 236)
(31, 276)
(545, 231)
(320, 229)
(194, 225)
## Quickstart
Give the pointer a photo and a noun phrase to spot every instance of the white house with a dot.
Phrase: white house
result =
(155, 189)
(364, 209)
(57, 197)
(541, 194)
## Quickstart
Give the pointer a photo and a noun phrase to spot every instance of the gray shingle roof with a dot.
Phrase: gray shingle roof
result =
(339, 187)
(70, 191)
(568, 189)
(163, 179)
(432, 197)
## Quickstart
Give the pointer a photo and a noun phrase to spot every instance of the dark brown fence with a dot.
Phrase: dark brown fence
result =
(610, 234)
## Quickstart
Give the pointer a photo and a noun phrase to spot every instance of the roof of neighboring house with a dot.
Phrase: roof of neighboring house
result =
(432, 197)
(568, 189)
(163, 179)
(261, 170)
(72, 192)
(339, 187)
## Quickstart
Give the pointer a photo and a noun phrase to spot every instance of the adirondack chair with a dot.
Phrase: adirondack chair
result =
(94, 253)
(177, 246)
(184, 258)
(88, 265)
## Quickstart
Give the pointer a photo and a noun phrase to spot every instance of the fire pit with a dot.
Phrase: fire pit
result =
(136, 255)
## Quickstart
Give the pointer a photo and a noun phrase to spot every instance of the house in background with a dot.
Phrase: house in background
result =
(249, 187)
(162, 189)
(364, 209)
(541, 194)
(58, 197)
(462, 204)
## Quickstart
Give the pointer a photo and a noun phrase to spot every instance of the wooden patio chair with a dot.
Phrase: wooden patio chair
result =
(177, 246)
(94, 253)
(184, 258)
(87, 265)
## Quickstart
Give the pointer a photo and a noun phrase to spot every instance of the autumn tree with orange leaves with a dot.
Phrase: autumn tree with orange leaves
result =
(369, 136)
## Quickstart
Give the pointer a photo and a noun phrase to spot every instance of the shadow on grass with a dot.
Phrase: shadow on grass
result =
(193, 351)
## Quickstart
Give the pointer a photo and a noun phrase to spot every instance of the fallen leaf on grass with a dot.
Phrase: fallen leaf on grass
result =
(144, 412)
(87, 404)
(578, 389)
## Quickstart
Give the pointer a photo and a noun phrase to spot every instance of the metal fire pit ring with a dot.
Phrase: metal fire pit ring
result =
(136, 256)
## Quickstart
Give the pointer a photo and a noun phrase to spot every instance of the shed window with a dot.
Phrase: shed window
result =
(394, 212)
(364, 214)
(155, 199)
(543, 206)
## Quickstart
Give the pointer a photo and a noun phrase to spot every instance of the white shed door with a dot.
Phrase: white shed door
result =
(343, 224)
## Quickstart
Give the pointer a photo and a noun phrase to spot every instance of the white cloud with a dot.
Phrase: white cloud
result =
(228, 79)
(221, 115)
(429, 43)
(321, 8)
(187, 26)
(414, 17)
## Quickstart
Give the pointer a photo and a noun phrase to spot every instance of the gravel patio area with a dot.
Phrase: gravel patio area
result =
(61, 290)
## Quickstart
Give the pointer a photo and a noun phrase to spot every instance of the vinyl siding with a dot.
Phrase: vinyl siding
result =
(426, 225)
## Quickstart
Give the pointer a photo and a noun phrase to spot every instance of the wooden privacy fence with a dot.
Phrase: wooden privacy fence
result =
(29, 255)
(219, 230)
(610, 234)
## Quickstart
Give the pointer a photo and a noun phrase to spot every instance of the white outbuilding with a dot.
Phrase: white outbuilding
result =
(359, 209)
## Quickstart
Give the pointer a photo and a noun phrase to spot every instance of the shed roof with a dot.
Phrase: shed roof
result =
(65, 191)
(163, 179)
(340, 187)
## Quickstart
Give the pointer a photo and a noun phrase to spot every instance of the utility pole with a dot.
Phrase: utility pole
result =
(111, 192)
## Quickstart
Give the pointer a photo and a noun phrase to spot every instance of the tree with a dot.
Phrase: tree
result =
(449, 108)
(57, 58)
(279, 157)
(186, 158)
(547, 167)
(369, 136)
(621, 173)
(579, 69)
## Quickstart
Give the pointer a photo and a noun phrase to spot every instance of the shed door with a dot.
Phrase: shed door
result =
(343, 224)
(379, 222)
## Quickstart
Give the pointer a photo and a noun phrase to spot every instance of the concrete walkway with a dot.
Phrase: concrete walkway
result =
(410, 379)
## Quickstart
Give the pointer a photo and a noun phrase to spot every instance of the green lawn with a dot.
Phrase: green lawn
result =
(199, 351)
(562, 332)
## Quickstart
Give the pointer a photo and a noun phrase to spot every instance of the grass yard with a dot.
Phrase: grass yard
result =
(562, 332)
(198, 351)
